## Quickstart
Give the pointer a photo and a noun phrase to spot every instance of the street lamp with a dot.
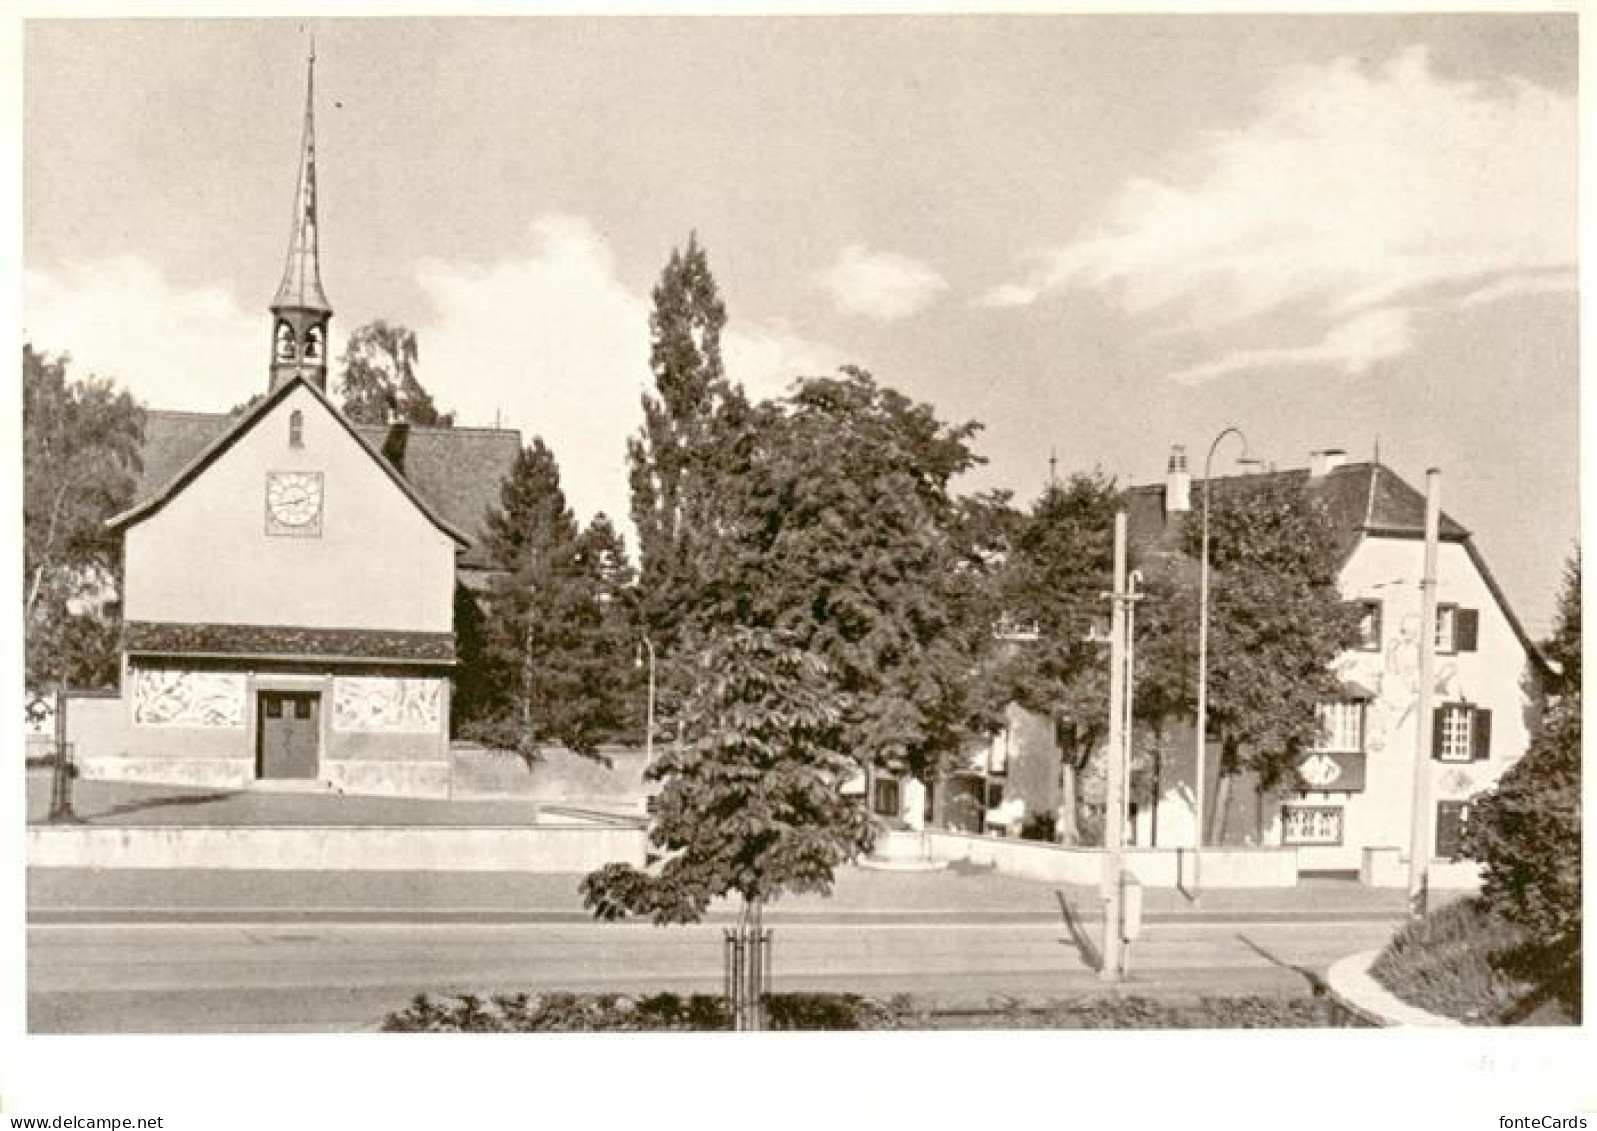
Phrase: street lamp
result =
(1201, 740)
(648, 726)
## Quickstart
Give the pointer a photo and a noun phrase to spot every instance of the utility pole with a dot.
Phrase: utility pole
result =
(1112, 967)
(1419, 840)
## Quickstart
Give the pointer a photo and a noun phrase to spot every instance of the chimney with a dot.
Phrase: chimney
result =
(1177, 483)
(1325, 462)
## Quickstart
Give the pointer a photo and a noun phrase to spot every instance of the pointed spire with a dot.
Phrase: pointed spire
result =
(302, 277)
(300, 307)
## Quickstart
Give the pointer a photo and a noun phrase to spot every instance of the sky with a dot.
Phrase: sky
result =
(1098, 235)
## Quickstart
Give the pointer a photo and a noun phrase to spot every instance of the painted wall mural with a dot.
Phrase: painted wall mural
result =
(174, 697)
(1394, 677)
(383, 703)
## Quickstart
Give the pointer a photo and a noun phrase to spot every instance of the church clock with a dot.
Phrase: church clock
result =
(294, 503)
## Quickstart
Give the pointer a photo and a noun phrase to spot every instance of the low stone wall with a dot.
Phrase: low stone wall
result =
(1388, 868)
(578, 846)
(1154, 867)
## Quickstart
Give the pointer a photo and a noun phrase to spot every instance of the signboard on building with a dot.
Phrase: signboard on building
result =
(1332, 772)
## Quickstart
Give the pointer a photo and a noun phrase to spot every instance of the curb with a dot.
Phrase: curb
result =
(1358, 992)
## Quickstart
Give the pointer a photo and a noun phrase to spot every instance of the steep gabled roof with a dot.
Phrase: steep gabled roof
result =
(1363, 499)
(231, 430)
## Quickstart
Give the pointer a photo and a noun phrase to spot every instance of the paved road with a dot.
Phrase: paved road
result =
(293, 975)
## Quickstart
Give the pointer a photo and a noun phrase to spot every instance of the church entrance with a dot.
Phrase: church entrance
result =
(288, 739)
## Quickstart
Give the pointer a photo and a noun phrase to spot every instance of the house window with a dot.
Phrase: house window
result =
(1370, 626)
(1452, 822)
(1341, 725)
(1446, 628)
(1311, 824)
(885, 801)
(1461, 732)
(296, 429)
(1457, 630)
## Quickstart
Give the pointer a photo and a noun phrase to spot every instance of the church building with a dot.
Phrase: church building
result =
(290, 577)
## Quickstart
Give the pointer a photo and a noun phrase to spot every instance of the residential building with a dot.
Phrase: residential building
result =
(1350, 808)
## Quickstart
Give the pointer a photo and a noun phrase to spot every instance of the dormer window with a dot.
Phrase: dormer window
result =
(296, 429)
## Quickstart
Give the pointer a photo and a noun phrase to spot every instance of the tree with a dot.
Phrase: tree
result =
(81, 441)
(378, 380)
(752, 804)
(839, 531)
(1527, 830)
(1278, 622)
(673, 460)
(546, 640)
(1053, 581)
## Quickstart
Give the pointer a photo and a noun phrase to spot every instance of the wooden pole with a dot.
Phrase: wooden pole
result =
(1112, 967)
(1419, 841)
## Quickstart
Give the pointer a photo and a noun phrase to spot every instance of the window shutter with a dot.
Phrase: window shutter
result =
(1438, 730)
(1466, 630)
(1480, 736)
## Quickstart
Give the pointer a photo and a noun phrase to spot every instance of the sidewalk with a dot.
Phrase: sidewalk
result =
(138, 804)
(859, 895)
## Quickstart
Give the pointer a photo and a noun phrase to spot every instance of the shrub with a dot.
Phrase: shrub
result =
(1527, 833)
(1458, 962)
(594, 1013)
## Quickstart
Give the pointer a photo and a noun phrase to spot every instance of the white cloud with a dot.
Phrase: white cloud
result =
(549, 339)
(881, 285)
(175, 348)
(554, 342)
(1355, 346)
(1355, 189)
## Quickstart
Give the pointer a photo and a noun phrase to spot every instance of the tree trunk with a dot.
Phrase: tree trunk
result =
(1220, 813)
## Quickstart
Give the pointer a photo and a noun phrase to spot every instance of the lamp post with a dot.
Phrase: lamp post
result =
(648, 726)
(1201, 741)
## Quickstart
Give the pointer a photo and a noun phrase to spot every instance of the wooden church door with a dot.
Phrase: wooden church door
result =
(289, 734)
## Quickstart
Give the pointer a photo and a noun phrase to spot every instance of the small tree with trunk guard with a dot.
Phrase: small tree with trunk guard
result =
(752, 804)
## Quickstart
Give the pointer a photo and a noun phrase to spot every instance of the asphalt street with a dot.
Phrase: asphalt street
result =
(184, 958)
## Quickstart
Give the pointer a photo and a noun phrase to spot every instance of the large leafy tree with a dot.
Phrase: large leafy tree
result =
(1527, 830)
(547, 639)
(1053, 581)
(840, 531)
(674, 462)
(81, 441)
(377, 380)
(1278, 621)
(751, 804)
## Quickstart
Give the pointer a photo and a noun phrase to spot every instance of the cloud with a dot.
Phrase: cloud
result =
(880, 284)
(548, 339)
(174, 348)
(1354, 346)
(554, 343)
(1355, 189)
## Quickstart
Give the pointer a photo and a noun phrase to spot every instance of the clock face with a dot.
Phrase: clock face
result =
(294, 502)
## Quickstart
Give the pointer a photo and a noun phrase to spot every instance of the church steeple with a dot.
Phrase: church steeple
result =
(300, 311)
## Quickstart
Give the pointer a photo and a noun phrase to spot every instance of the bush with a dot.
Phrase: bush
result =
(596, 1013)
(1527, 833)
(1461, 962)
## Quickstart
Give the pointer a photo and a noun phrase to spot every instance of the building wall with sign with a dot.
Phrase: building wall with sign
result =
(288, 619)
(1358, 790)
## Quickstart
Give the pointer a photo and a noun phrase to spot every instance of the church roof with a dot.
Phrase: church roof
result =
(452, 473)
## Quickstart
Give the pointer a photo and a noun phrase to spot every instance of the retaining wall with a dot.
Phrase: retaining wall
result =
(1388, 868)
(579, 846)
(1154, 867)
